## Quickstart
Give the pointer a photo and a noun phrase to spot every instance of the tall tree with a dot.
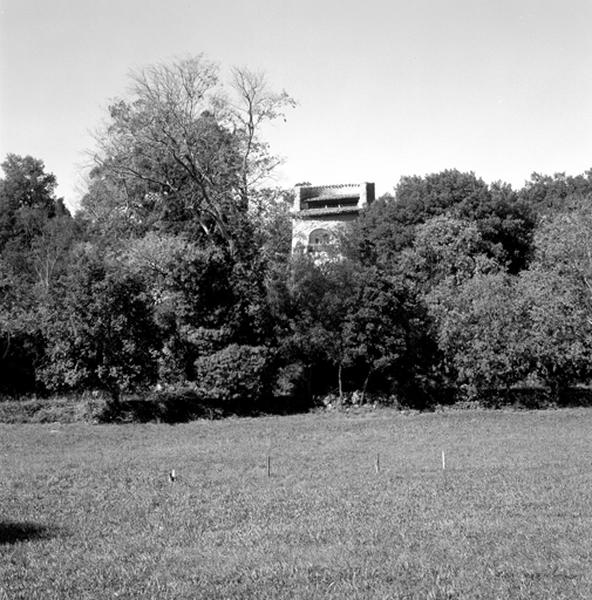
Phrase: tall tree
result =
(389, 225)
(27, 199)
(255, 104)
(552, 193)
(184, 155)
(26, 183)
(36, 233)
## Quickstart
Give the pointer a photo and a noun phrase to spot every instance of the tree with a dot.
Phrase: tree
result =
(379, 234)
(563, 244)
(105, 215)
(505, 222)
(558, 330)
(185, 156)
(445, 249)
(360, 324)
(26, 184)
(420, 198)
(36, 234)
(21, 343)
(386, 336)
(100, 330)
(482, 332)
(203, 298)
(319, 298)
(497, 330)
(177, 198)
(256, 104)
(389, 225)
(36, 229)
(27, 200)
(552, 193)
(559, 288)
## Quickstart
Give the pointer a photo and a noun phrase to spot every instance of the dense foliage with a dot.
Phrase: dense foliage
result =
(176, 273)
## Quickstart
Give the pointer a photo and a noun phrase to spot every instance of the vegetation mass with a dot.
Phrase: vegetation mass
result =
(175, 278)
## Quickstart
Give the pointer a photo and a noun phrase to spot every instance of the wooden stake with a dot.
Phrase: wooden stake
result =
(444, 476)
(268, 465)
(377, 463)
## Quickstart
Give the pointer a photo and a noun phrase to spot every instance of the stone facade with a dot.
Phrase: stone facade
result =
(318, 212)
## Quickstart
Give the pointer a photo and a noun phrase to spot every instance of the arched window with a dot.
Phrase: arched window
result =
(319, 240)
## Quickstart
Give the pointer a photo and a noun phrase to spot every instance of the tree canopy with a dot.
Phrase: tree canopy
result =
(182, 153)
(177, 271)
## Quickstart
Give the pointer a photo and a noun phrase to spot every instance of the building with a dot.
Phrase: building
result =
(319, 211)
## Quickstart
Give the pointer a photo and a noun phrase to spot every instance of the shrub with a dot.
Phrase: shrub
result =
(58, 409)
(237, 377)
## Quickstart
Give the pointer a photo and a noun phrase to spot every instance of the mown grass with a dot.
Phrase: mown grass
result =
(88, 511)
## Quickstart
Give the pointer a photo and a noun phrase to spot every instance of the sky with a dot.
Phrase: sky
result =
(385, 88)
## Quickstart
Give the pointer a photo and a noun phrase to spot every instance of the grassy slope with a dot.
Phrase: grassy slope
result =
(513, 519)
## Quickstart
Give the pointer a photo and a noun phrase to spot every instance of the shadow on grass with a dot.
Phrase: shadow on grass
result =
(186, 404)
(12, 533)
(165, 407)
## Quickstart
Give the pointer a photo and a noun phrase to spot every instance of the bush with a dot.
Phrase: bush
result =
(87, 409)
(236, 377)
(534, 397)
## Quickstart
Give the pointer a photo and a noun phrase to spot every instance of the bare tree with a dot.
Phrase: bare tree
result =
(256, 104)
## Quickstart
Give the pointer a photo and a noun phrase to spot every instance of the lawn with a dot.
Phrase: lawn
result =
(88, 511)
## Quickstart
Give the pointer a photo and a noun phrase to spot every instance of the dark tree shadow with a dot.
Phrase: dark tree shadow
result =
(11, 533)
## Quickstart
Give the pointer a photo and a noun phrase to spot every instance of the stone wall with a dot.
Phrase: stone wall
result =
(302, 228)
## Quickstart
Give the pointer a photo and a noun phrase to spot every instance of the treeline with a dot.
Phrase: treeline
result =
(176, 273)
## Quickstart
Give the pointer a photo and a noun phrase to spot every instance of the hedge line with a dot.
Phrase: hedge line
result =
(186, 404)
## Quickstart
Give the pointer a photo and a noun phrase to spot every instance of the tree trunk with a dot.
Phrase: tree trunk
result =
(339, 382)
(5, 353)
(558, 388)
(114, 392)
(365, 386)
(308, 370)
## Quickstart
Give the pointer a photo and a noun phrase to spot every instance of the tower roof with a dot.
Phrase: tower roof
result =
(311, 200)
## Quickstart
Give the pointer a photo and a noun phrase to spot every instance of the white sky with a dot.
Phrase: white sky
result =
(385, 87)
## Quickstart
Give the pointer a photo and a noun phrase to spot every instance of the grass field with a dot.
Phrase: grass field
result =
(87, 511)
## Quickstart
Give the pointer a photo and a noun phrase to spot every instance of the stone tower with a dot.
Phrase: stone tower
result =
(319, 211)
